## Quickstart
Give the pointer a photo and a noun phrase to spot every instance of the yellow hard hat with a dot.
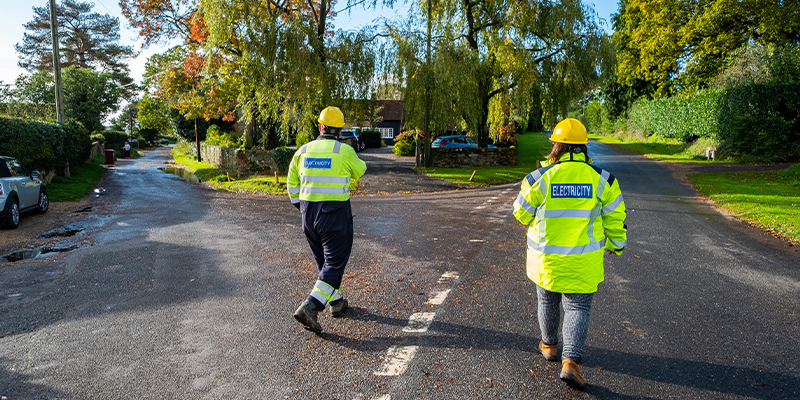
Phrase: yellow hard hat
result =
(570, 131)
(332, 116)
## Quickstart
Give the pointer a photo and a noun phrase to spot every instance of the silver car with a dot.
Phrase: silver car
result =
(19, 192)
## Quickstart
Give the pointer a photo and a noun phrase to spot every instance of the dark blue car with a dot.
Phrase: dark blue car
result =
(456, 141)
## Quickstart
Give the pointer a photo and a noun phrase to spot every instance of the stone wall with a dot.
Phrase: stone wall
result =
(473, 157)
(242, 162)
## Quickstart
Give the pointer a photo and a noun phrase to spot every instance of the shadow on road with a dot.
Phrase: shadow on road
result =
(673, 371)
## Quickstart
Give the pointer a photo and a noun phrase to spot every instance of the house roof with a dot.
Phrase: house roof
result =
(392, 110)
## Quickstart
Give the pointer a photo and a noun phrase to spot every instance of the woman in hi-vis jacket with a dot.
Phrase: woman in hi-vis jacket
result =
(575, 211)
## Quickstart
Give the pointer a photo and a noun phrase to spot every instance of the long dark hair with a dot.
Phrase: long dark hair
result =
(559, 149)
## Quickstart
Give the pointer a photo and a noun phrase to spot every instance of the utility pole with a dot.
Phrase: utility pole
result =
(426, 140)
(56, 62)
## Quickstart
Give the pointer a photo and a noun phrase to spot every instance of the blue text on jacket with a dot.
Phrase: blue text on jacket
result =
(571, 190)
(319, 163)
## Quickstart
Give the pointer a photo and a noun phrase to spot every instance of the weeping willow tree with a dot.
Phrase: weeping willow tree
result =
(291, 62)
(490, 58)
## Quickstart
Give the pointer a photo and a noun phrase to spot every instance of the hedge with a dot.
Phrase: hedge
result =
(679, 117)
(44, 146)
(372, 139)
(760, 119)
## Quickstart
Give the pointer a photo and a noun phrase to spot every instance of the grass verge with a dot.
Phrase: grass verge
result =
(531, 147)
(664, 149)
(83, 180)
(769, 200)
(227, 180)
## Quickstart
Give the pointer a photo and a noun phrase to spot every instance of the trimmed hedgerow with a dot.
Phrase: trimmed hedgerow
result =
(44, 146)
(683, 117)
(761, 119)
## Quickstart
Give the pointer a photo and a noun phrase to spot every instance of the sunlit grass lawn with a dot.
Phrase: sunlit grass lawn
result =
(531, 147)
(84, 179)
(663, 149)
(225, 180)
(765, 199)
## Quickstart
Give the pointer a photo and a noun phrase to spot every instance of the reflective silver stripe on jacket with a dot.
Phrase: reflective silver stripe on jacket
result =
(294, 200)
(525, 205)
(619, 244)
(325, 190)
(566, 250)
(303, 149)
(602, 183)
(585, 214)
(336, 146)
(324, 179)
(293, 190)
(614, 204)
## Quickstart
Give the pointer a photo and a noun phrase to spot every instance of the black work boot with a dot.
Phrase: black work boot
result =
(306, 315)
(338, 309)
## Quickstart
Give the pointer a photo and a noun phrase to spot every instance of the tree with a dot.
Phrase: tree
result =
(153, 114)
(86, 40)
(684, 44)
(89, 96)
(290, 62)
(489, 55)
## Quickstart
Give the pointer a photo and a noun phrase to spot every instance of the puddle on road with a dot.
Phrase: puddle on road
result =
(182, 173)
(83, 210)
(61, 232)
(33, 253)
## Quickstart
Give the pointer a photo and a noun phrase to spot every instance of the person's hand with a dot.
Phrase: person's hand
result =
(296, 205)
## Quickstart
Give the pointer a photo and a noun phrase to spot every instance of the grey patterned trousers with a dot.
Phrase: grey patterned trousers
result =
(576, 319)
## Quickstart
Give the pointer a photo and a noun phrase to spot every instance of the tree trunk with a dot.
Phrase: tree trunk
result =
(197, 140)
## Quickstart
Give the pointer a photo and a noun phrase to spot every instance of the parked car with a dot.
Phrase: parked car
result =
(19, 192)
(162, 141)
(352, 138)
(456, 141)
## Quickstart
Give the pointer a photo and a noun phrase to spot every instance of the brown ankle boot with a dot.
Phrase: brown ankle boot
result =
(571, 374)
(549, 351)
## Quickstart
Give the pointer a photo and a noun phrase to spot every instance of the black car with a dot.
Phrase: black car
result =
(20, 191)
(350, 137)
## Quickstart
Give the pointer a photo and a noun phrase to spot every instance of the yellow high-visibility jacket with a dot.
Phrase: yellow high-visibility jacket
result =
(575, 210)
(321, 170)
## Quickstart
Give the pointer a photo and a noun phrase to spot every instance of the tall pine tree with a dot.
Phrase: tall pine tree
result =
(86, 40)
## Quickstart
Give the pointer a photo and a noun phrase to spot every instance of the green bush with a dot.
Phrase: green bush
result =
(215, 137)
(404, 144)
(283, 156)
(761, 119)
(594, 117)
(44, 146)
(683, 117)
(114, 139)
(372, 139)
(98, 137)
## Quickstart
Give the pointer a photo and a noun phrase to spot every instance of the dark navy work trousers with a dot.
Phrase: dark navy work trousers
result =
(328, 226)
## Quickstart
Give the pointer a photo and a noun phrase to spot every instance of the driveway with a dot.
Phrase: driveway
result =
(391, 174)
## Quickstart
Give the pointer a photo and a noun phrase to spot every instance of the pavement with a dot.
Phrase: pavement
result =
(185, 292)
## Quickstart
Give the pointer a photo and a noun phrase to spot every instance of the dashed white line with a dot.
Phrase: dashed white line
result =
(447, 276)
(397, 360)
(419, 322)
(439, 297)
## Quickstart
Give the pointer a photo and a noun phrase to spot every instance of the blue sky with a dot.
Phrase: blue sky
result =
(17, 13)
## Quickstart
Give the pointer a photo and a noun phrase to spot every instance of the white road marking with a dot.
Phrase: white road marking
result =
(447, 276)
(476, 240)
(419, 322)
(384, 397)
(397, 360)
(480, 207)
(439, 297)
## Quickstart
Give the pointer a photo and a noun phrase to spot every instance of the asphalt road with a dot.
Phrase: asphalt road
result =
(183, 292)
